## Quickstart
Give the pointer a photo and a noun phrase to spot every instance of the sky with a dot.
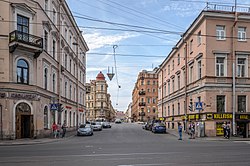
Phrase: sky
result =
(133, 35)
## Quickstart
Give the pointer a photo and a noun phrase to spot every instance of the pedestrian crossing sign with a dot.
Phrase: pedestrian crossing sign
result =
(198, 105)
(53, 107)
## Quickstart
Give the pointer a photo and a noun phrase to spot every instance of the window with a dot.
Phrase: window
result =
(54, 16)
(191, 46)
(220, 32)
(168, 87)
(241, 103)
(23, 25)
(220, 66)
(168, 69)
(102, 88)
(148, 82)
(22, 72)
(241, 67)
(148, 90)
(173, 65)
(66, 34)
(46, 78)
(199, 69)
(173, 110)
(45, 40)
(70, 91)
(173, 84)
(54, 83)
(142, 82)
(154, 110)
(178, 59)
(65, 89)
(45, 118)
(148, 100)
(154, 91)
(54, 49)
(153, 82)
(168, 110)
(220, 104)
(191, 74)
(74, 69)
(70, 62)
(153, 100)
(178, 82)
(242, 33)
(165, 91)
(199, 38)
(179, 108)
(65, 61)
(46, 5)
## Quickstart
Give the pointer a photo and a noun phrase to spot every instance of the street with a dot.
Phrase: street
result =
(127, 145)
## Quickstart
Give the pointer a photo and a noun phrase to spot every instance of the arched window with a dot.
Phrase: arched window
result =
(65, 89)
(46, 78)
(74, 119)
(22, 72)
(54, 82)
(65, 116)
(46, 118)
(70, 91)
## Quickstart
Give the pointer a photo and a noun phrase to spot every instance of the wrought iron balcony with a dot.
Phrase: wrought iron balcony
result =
(142, 92)
(142, 103)
(25, 41)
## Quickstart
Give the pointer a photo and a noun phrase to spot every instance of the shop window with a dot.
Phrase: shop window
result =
(220, 104)
(241, 103)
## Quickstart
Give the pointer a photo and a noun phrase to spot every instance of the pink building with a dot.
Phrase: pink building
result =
(205, 76)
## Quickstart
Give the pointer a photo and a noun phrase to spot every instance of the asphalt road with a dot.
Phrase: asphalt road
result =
(127, 145)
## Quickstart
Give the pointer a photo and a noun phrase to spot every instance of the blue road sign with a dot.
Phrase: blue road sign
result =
(53, 107)
(198, 105)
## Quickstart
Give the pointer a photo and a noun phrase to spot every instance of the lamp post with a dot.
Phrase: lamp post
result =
(1, 109)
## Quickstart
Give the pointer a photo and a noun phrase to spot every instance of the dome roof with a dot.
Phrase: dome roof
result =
(100, 76)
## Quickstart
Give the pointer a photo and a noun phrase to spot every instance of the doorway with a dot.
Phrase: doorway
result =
(242, 129)
(24, 121)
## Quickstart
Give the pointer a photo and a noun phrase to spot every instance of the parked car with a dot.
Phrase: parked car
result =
(85, 130)
(118, 121)
(106, 125)
(159, 128)
(96, 126)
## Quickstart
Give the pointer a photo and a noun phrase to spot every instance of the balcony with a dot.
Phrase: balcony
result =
(142, 92)
(142, 103)
(26, 42)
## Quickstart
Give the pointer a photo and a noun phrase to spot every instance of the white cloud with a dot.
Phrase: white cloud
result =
(98, 40)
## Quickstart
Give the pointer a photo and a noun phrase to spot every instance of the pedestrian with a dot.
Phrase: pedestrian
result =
(180, 130)
(228, 130)
(54, 130)
(192, 132)
(224, 126)
(64, 126)
(59, 127)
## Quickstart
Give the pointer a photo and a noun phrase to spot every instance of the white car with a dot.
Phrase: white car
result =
(97, 126)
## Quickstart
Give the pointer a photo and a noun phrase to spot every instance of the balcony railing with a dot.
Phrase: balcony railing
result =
(17, 36)
(228, 8)
(142, 103)
(142, 92)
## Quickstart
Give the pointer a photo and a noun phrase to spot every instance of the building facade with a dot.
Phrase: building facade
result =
(98, 102)
(205, 78)
(144, 96)
(128, 113)
(42, 69)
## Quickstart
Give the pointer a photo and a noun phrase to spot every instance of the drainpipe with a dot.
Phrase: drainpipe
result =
(234, 71)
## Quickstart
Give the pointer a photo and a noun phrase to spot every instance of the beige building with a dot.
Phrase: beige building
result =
(144, 97)
(98, 102)
(205, 78)
(42, 68)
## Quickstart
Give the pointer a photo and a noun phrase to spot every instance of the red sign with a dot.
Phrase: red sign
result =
(68, 107)
(81, 110)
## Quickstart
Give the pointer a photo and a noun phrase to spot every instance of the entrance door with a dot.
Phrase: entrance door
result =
(24, 121)
(242, 129)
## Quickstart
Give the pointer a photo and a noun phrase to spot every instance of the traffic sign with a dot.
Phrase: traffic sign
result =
(198, 105)
(53, 107)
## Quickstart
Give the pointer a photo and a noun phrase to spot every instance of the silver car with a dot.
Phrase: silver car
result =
(97, 126)
(85, 130)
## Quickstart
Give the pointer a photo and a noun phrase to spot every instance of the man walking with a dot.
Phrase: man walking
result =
(180, 130)
(64, 126)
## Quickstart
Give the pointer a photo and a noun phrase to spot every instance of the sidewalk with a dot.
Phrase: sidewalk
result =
(185, 136)
(29, 141)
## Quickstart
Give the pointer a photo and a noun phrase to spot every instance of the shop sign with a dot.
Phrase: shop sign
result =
(223, 116)
(243, 117)
(162, 119)
(209, 116)
(191, 117)
(80, 110)
(24, 96)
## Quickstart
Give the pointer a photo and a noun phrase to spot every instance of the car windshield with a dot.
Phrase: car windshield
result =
(159, 124)
(82, 126)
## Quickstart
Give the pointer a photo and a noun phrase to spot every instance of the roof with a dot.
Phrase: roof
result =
(100, 76)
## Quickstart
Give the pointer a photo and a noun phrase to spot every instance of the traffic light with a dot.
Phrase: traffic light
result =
(190, 107)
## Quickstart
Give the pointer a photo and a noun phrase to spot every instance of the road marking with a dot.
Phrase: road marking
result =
(247, 142)
(148, 164)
